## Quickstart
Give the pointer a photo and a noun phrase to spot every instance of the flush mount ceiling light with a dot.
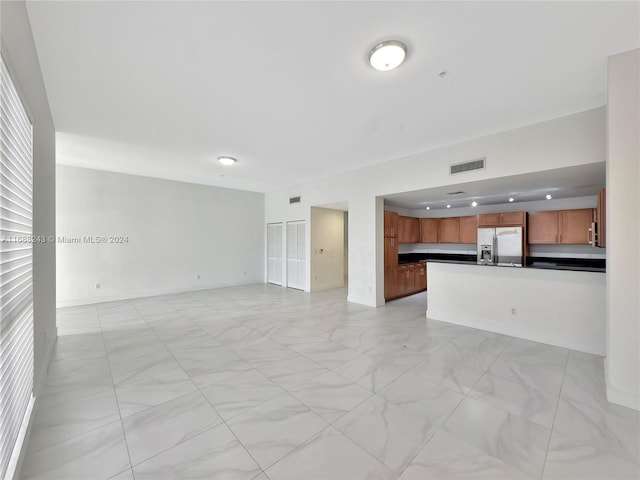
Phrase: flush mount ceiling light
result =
(448, 206)
(428, 208)
(474, 204)
(548, 197)
(227, 160)
(511, 199)
(387, 55)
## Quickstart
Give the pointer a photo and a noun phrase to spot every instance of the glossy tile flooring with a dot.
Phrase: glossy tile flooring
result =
(261, 382)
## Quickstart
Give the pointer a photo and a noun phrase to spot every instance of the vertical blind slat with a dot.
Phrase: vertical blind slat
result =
(16, 267)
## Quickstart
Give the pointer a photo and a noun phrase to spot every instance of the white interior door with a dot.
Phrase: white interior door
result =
(274, 253)
(296, 258)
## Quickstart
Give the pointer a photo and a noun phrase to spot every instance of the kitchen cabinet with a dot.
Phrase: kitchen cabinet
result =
(601, 219)
(390, 282)
(390, 251)
(408, 229)
(420, 281)
(566, 227)
(409, 278)
(512, 219)
(574, 226)
(489, 220)
(406, 279)
(390, 267)
(390, 224)
(506, 219)
(429, 230)
(469, 229)
(449, 230)
(543, 227)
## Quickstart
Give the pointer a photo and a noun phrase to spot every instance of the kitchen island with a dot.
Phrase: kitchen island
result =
(558, 307)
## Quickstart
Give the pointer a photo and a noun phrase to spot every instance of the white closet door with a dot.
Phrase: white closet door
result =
(296, 258)
(274, 253)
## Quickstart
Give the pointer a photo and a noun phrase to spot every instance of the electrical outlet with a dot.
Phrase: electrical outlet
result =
(198, 276)
(97, 285)
(514, 312)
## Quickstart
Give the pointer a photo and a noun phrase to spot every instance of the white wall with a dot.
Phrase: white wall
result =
(623, 230)
(327, 248)
(176, 231)
(19, 53)
(563, 142)
(556, 307)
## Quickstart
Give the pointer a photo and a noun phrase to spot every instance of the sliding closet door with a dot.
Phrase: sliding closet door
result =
(296, 259)
(275, 246)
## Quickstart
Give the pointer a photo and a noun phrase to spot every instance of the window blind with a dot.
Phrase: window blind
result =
(16, 283)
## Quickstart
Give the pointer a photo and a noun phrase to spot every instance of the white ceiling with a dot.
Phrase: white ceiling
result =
(578, 181)
(163, 88)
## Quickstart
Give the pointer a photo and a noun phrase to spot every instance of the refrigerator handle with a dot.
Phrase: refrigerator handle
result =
(494, 258)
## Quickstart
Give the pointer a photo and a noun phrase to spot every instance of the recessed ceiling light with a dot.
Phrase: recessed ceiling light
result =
(548, 197)
(448, 206)
(474, 204)
(227, 160)
(511, 199)
(387, 55)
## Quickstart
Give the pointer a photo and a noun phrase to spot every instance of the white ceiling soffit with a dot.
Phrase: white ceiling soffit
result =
(164, 88)
(578, 181)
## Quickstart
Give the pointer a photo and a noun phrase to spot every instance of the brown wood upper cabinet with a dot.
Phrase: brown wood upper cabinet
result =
(543, 227)
(408, 229)
(469, 229)
(574, 226)
(429, 230)
(390, 224)
(449, 230)
(569, 227)
(488, 220)
(506, 219)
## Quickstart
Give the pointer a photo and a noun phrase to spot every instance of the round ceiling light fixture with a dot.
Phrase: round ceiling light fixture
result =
(387, 55)
(428, 208)
(227, 161)
(474, 204)
(511, 199)
(548, 197)
(448, 206)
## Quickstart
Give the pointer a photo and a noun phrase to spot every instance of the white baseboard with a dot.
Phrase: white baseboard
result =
(20, 451)
(351, 298)
(327, 286)
(154, 292)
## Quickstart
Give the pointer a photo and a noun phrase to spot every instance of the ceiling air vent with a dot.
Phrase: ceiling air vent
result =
(477, 164)
(294, 200)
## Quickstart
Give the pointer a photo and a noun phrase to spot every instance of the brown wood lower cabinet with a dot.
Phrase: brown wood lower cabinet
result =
(421, 277)
(405, 279)
(390, 282)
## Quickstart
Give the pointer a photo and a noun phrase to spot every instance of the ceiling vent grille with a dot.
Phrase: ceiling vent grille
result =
(477, 164)
(294, 200)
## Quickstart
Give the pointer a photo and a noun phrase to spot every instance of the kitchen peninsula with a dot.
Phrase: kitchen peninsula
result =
(560, 307)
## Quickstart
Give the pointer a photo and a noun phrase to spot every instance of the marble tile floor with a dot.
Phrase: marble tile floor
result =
(261, 382)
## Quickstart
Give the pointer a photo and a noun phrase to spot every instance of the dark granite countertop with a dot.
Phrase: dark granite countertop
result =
(546, 263)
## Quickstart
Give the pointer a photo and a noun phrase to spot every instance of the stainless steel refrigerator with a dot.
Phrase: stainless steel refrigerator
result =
(500, 246)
